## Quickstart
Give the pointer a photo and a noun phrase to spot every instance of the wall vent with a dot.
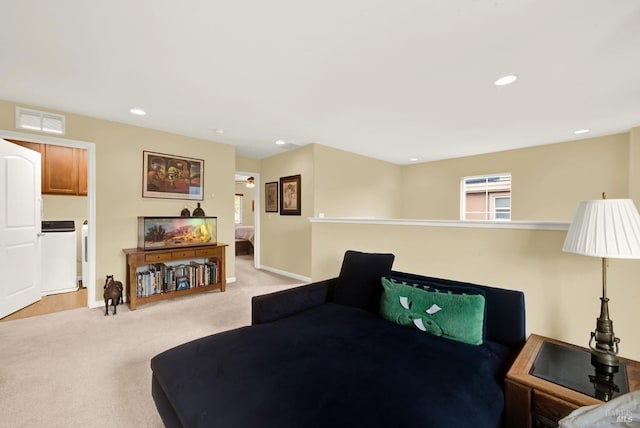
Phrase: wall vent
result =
(34, 120)
(289, 146)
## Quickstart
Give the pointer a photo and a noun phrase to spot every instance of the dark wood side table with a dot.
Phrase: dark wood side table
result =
(549, 379)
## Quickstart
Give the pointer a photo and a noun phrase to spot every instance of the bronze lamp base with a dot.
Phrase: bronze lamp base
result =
(604, 355)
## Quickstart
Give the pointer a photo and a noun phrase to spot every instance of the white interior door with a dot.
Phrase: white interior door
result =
(20, 226)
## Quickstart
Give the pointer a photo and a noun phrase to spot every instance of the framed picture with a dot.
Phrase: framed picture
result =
(171, 177)
(271, 197)
(290, 195)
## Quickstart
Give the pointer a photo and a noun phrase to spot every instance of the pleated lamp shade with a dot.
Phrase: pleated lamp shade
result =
(607, 228)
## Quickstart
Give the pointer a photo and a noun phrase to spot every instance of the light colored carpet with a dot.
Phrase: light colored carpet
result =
(79, 368)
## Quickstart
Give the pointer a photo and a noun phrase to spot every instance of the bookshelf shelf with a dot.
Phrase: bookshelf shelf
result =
(139, 258)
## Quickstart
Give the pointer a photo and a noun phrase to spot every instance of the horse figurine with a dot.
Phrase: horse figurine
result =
(113, 291)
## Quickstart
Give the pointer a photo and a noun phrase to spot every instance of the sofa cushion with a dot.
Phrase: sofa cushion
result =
(447, 286)
(359, 281)
(434, 284)
(442, 313)
(505, 318)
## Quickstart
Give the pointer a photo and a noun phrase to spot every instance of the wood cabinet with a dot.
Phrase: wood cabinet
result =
(36, 147)
(137, 258)
(83, 182)
(60, 170)
(534, 402)
(64, 169)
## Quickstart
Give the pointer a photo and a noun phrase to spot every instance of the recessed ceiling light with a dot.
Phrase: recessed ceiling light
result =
(414, 159)
(506, 80)
(218, 130)
(138, 111)
(581, 131)
(280, 143)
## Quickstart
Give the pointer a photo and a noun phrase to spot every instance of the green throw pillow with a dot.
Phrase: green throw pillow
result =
(455, 316)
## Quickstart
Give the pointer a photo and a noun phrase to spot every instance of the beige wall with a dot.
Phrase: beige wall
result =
(285, 239)
(350, 185)
(335, 183)
(634, 165)
(119, 183)
(248, 165)
(547, 181)
(561, 290)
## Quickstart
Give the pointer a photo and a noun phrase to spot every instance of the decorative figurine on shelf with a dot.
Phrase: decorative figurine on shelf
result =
(113, 291)
(185, 213)
(198, 212)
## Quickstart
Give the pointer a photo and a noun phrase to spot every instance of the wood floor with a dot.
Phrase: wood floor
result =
(52, 303)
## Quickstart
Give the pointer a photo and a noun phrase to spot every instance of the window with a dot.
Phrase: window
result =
(487, 197)
(237, 208)
(501, 207)
(35, 120)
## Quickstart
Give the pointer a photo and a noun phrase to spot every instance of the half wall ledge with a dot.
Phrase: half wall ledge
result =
(533, 225)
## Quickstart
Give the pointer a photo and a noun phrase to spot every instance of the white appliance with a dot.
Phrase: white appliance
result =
(59, 245)
(84, 236)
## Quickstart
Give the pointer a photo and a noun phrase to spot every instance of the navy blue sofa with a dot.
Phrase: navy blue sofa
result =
(320, 355)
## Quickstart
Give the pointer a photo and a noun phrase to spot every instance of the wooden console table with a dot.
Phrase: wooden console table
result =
(137, 257)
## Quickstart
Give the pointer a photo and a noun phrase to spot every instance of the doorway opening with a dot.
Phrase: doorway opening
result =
(247, 215)
(87, 240)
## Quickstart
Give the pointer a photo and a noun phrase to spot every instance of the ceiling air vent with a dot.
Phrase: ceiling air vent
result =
(289, 146)
(34, 120)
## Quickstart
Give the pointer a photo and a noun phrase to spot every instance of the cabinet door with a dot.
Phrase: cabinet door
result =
(82, 172)
(60, 170)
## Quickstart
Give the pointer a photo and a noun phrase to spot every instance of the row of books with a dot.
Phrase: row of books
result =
(162, 278)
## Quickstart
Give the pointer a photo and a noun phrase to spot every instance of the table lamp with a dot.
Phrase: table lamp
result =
(606, 228)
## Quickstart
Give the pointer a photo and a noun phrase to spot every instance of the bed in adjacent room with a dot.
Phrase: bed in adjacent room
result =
(244, 239)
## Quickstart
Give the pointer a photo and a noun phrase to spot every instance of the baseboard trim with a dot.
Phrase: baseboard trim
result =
(100, 303)
(285, 273)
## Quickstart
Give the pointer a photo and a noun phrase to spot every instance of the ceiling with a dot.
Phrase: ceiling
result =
(390, 80)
